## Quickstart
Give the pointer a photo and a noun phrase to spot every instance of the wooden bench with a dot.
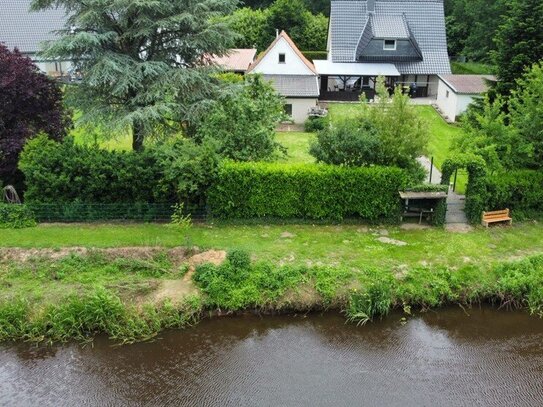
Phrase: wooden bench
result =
(496, 216)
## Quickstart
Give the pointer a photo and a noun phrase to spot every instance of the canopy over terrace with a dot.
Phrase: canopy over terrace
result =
(347, 80)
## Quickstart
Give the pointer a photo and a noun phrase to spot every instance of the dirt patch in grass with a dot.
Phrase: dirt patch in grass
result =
(177, 290)
(177, 255)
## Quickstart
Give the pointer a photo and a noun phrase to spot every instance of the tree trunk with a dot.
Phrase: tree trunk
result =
(137, 137)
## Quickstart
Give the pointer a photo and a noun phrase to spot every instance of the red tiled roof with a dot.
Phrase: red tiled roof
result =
(236, 59)
(468, 84)
(292, 45)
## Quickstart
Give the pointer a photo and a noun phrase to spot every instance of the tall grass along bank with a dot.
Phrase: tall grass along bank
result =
(80, 296)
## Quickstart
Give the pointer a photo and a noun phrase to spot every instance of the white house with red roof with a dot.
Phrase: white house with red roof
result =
(292, 75)
(456, 92)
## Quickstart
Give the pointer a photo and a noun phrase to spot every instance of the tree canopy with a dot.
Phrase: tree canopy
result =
(30, 103)
(143, 62)
(519, 42)
(257, 27)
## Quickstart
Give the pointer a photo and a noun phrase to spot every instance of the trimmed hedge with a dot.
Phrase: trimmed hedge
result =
(16, 216)
(65, 173)
(521, 191)
(310, 191)
(312, 55)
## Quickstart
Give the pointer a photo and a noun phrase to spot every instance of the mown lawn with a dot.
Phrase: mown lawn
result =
(297, 145)
(346, 245)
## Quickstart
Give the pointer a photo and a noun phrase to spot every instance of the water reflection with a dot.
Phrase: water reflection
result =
(444, 358)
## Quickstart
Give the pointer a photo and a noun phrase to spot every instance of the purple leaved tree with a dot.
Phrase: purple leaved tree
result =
(30, 103)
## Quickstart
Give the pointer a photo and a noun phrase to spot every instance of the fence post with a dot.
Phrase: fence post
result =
(431, 169)
(454, 184)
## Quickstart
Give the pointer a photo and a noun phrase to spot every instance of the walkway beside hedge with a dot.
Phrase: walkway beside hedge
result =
(455, 220)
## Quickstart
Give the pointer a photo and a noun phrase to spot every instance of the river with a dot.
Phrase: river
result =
(443, 358)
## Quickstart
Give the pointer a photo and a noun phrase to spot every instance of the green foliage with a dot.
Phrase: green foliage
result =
(64, 172)
(256, 27)
(403, 134)
(188, 169)
(312, 55)
(257, 190)
(471, 27)
(143, 68)
(521, 191)
(236, 284)
(519, 42)
(476, 189)
(374, 299)
(180, 218)
(487, 134)
(347, 142)
(252, 28)
(526, 112)
(243, 121)
(314, 124)
(16, 216)
(82, 317)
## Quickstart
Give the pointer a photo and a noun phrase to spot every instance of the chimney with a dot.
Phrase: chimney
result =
(371, 6)
(276, 33)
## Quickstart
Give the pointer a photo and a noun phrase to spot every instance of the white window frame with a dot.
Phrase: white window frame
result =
(385, 44)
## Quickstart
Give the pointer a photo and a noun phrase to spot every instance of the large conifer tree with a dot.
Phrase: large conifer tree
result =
(142, 61)
(519, 42)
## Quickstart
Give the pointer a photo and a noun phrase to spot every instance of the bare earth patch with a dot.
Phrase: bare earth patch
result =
(177, 255)
(387, 240)
(177, 290)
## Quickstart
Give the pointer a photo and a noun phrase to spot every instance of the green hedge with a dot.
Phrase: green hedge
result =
(65, 173)
(312, 55)
(16, 216)
(310, 191)
(521, 191)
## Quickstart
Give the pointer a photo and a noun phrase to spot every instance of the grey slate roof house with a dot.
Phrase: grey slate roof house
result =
(407, 34)
(20, 28)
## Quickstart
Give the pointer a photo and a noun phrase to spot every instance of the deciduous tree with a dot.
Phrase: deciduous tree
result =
(30, 103)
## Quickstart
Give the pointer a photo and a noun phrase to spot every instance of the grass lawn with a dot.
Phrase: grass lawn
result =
(297, 145)
(346, 245)
(471, 68)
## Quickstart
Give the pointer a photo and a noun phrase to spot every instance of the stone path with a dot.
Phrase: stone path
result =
(456, 220)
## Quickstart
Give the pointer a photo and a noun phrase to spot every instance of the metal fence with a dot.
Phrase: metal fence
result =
(92, 212)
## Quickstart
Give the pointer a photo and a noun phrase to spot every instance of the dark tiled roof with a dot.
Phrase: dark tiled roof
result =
(425, 22)
(468, 84)
(26, 30)
(295, 85)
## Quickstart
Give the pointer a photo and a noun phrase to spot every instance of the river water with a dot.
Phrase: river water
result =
(445, 358)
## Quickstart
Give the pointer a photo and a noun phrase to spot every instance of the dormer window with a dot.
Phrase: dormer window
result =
(282, 58)
(389, 45)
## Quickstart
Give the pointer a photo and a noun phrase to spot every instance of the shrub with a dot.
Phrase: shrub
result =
(312, 55)
(521, 191)
(243, 120)
(347, 143)
(257, 190)
(65, 172)
(314, 124)
(16, 216)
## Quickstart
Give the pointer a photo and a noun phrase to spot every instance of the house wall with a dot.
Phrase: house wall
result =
(447, 100)
(293, 64)
(300, 108)
(53, 68)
